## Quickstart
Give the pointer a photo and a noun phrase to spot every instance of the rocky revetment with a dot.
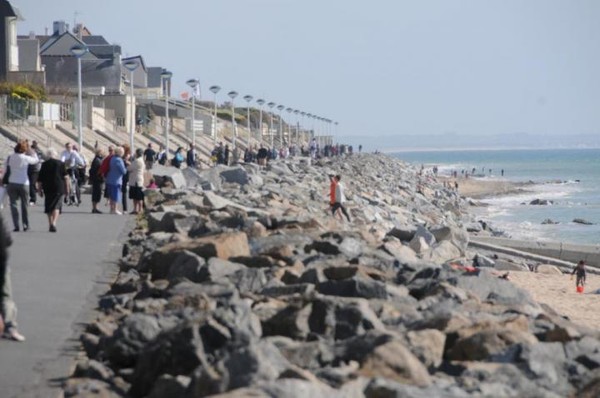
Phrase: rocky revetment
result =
(238, 282)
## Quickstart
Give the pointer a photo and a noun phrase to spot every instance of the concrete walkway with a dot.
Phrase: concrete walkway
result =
(57, 278)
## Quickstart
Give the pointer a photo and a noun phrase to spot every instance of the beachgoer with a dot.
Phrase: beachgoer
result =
(53, 184)
(136, 182)
(114, 179)
(18, 184)
(8, 309)
(339, 198)
(149, 156)
(177, 158)
(125, 184)
(332, 190)
(162, 156)
(152, 184)
(579, 272)
(191, 157)
(33, 171)
(97, 180)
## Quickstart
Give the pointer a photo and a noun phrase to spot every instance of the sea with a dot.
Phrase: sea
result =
(569, 178)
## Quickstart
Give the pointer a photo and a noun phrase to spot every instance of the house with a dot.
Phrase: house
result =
(140, 75)
(9, 51)
(100, 66)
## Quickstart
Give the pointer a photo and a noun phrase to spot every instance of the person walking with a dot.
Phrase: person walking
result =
(114, 179)
(177, 158)
(191, 157)
(18, 183)
(579, 272)
(339, 198)
(136, 182)
(53, 185)
(125, 185)
(8, 309)
(97, 180)
(149, 156)
(33, 171)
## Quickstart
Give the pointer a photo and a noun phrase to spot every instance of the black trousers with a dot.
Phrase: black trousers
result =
(33, 177)
(338, 205)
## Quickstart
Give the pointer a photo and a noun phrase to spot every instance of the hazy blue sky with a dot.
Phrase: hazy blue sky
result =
(383, 67)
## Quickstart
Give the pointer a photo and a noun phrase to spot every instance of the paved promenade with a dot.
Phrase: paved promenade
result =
(57, 278)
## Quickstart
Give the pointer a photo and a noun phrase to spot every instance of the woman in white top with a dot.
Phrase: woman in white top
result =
(18, 183)
(136, 181)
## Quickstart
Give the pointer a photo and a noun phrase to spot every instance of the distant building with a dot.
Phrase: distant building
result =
(9, 51)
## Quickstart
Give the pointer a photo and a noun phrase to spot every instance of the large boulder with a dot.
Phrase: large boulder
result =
(164, 175)
(237, 175)
(395, 362)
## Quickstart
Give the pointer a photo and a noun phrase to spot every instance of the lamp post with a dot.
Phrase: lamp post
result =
(280, 108)
(260, 103)
(296, 112)
(215, 90)
(232, 95)
(248, 98)
(193, 83)
(131, 66)
(303, 114)
(166, 77)
(79, 51)
(271, 105)
(289, 139)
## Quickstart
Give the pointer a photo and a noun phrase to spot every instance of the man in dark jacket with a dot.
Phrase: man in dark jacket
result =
(97, 180)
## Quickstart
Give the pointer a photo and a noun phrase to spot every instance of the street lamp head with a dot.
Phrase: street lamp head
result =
(165, 74)
(131, 65)
(289, 110)
(296, 111)
(271, 104)
(193, 83)
(215, 89)
(260, 101)
(281, 107)
(232, 94)
(248, 98)
(78, 50)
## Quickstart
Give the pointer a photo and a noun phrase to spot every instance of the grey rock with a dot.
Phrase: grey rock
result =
(168, 386)
(187, 265)
(172, 175)
(237, 175)
(130, 338)
(355, 287)
(176, 352)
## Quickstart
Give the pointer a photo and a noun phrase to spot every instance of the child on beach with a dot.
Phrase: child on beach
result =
(579, 271)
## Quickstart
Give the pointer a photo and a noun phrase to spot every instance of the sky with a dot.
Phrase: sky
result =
(383, 68)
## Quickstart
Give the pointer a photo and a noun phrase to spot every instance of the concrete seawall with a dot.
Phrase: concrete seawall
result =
(563, 251)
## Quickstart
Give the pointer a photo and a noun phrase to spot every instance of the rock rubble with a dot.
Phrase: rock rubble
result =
(244, 285)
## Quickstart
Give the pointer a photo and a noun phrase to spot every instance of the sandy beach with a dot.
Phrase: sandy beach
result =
(558, 291)
(478, 188)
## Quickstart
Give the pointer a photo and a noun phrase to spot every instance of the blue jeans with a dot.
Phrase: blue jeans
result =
(8, 309)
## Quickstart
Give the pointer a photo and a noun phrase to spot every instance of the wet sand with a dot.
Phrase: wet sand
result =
(558, 291)
(477, 189)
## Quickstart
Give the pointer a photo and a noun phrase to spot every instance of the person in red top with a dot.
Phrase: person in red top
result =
(332, 190)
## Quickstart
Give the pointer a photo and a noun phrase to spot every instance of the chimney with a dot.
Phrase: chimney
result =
(78, 31)
(32, 35)
(59, 27)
